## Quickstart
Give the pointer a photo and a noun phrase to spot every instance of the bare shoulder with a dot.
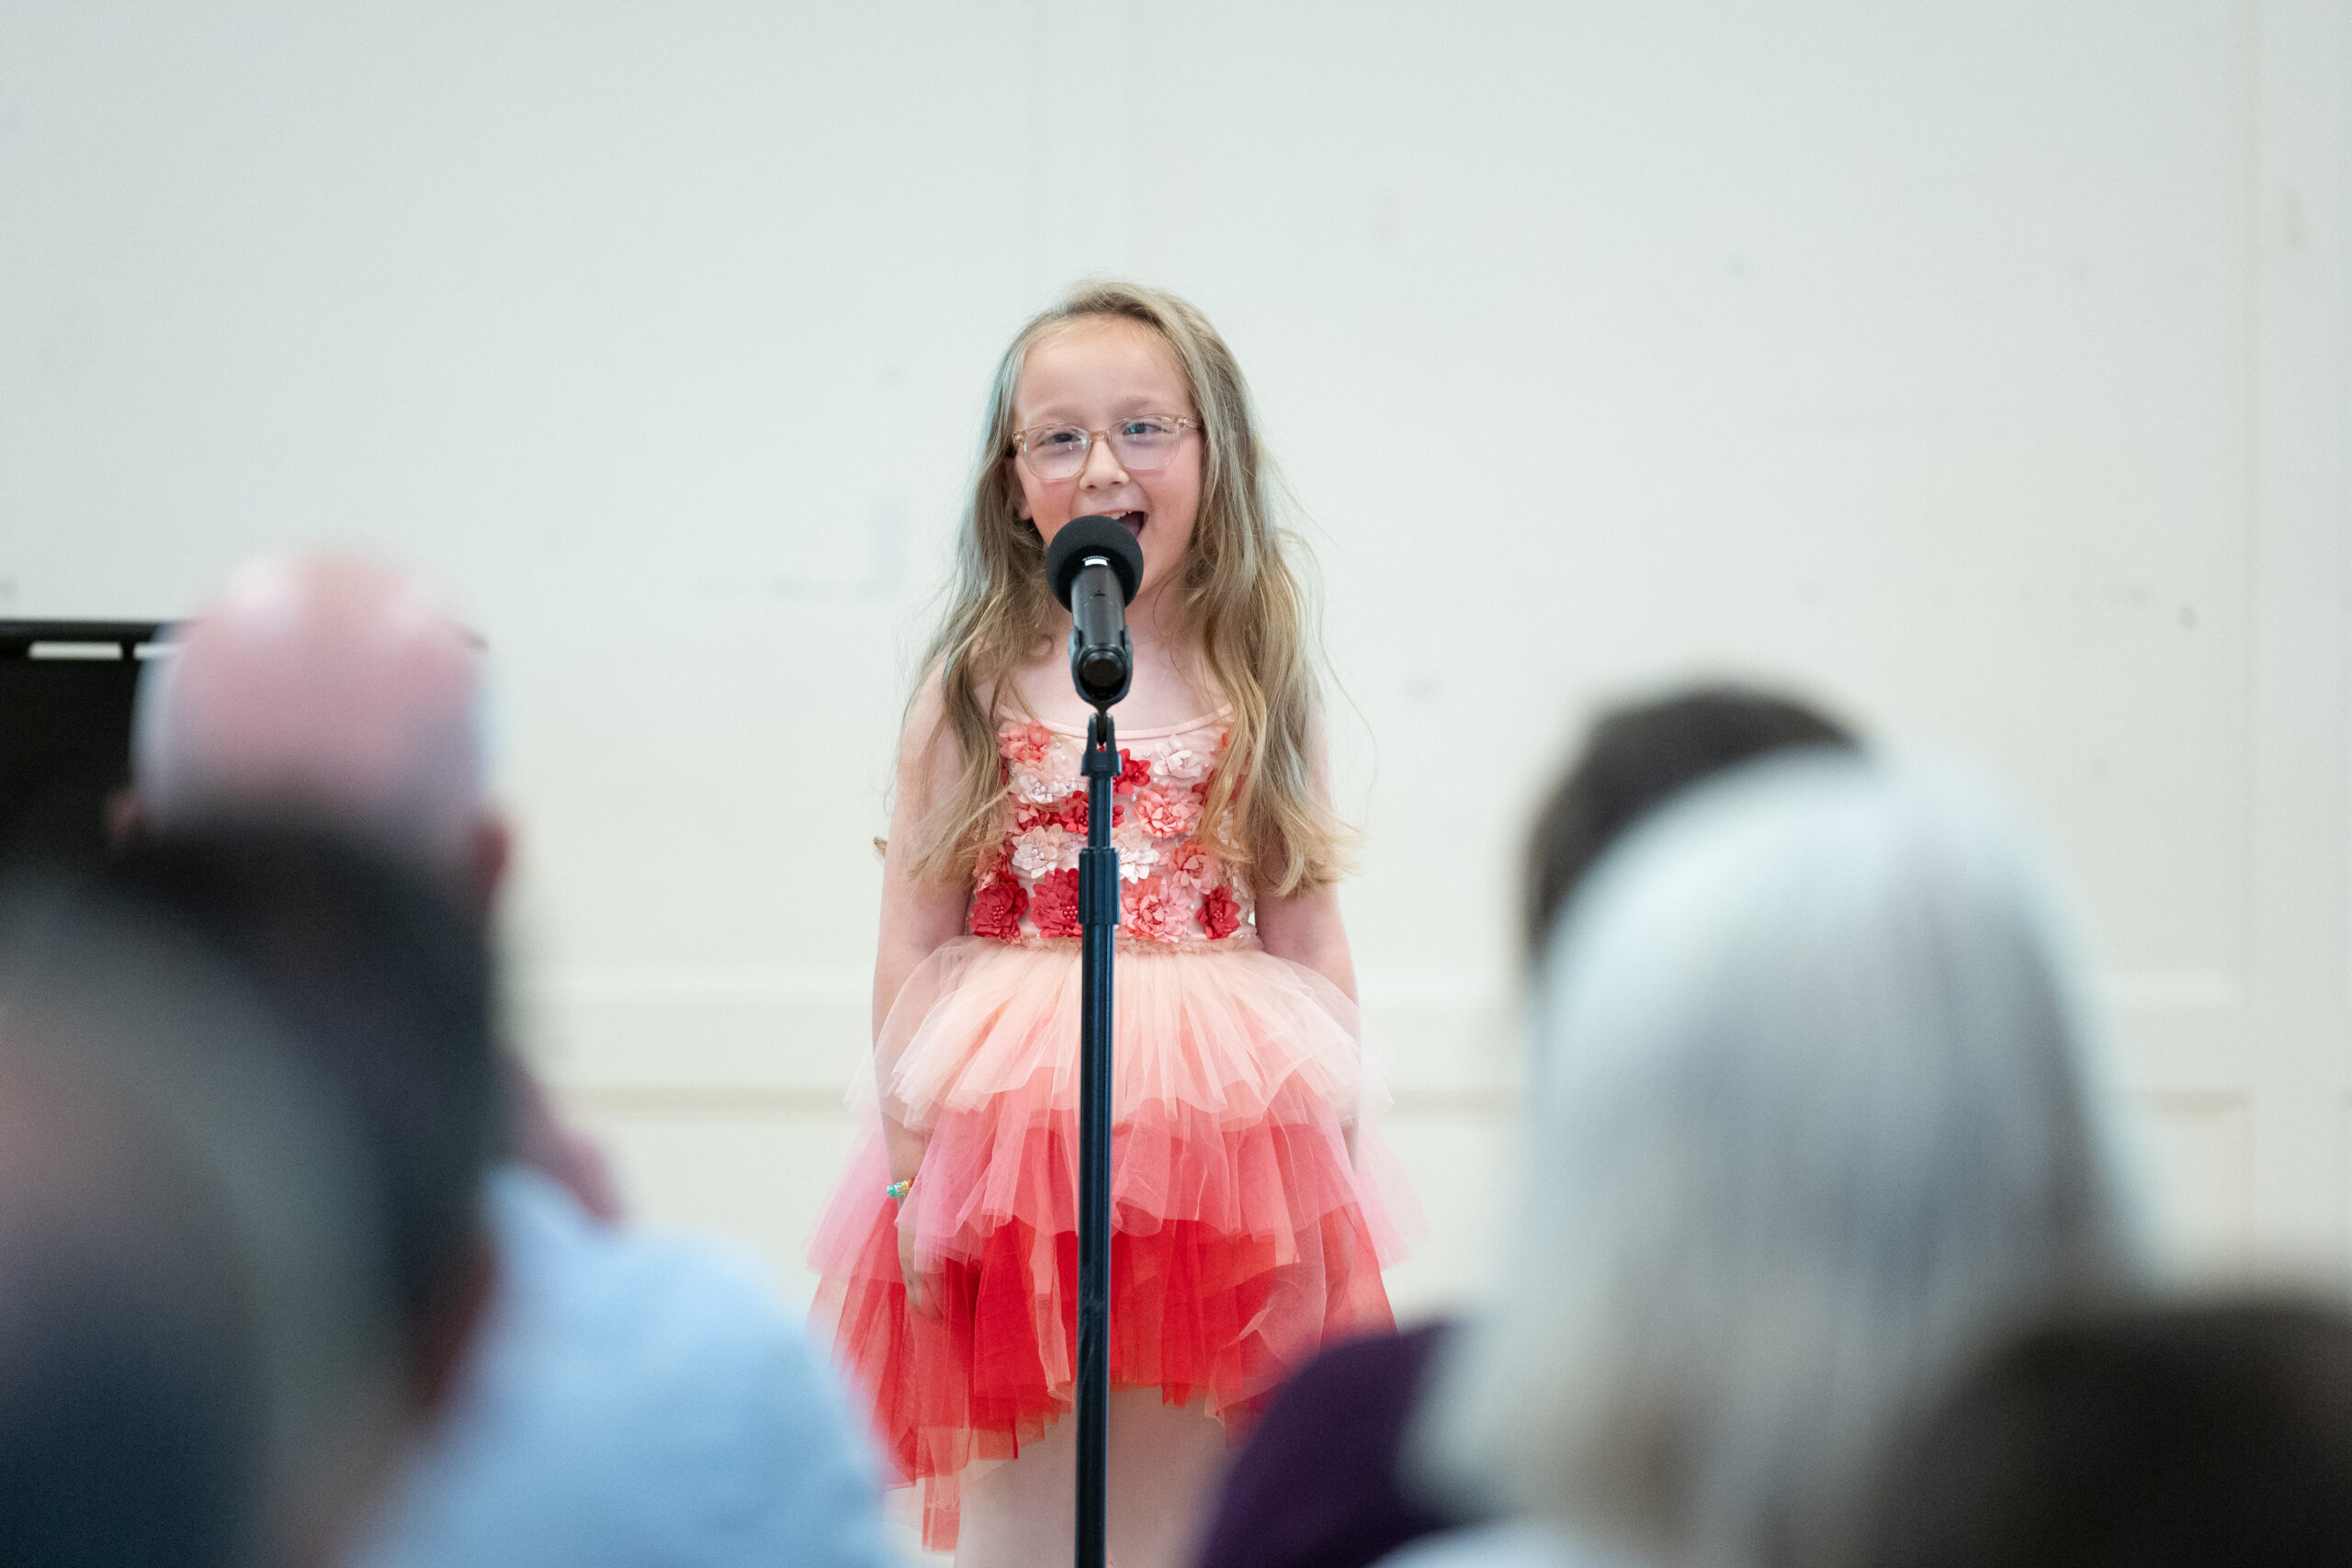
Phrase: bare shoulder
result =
(926, 708)
(929, 751)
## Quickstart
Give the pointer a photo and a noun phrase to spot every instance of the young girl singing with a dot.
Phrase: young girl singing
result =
(1247, 1231)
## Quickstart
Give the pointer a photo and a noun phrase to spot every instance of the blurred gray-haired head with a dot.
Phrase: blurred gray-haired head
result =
(1818, 1112)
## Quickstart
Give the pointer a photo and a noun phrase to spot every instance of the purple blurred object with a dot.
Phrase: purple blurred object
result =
(1316, 1487)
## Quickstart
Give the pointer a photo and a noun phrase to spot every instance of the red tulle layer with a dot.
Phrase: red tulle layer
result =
(1247, 1231)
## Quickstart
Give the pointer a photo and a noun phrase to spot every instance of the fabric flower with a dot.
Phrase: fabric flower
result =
(1047, 781)
(1053, 904)
(1024, 745)
(1153, 911)
(1139, 856)
(1167, 812)
(1189, 866)
(1134, 772)
(1183, 765)
(996, 909)
(1044, 847)
(1072, 815)
(1220, 912)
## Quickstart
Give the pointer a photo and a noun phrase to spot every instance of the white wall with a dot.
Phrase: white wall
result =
(1981, 369)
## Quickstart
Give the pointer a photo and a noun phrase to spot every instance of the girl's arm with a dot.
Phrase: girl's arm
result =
(917, 916)
(1305, 929)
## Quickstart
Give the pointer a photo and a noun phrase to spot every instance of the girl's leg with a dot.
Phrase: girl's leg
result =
(1018, 1513)
(1165, 1465)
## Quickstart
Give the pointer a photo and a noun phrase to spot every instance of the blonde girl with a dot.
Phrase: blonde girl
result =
(1246, 1233)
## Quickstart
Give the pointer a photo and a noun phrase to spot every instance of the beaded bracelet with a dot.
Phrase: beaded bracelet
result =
(896, 1191)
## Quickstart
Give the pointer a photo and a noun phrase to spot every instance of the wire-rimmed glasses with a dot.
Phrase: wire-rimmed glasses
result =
(1143, 443)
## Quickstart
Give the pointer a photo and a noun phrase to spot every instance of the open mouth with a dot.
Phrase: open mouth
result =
(1131, 521)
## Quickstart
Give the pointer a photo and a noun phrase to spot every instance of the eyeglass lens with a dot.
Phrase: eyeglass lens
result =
(1058, 452)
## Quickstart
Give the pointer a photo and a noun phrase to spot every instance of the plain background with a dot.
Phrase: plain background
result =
(1978, 370)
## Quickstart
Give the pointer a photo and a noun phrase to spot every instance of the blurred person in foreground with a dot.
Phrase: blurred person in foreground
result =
(1815, 1117)
(338, 692)
(1317, 1485)
(627, 1398)
(2196, 1435)
(130, 1385)
(198, 1320)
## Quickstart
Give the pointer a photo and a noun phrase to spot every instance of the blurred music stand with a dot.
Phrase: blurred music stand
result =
(65, 699)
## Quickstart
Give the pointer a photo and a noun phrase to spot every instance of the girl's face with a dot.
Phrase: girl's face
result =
(1093, 374)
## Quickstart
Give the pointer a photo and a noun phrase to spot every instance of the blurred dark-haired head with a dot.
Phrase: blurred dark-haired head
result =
(1634, 758)
(199, 1358)
(133, 1391)
(2186, 1435)
(384, 987)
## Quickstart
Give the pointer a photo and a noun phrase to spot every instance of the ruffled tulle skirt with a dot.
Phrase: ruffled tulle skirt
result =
(1251, 1204)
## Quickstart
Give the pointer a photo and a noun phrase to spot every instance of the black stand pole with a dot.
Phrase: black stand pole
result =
(1098, 903)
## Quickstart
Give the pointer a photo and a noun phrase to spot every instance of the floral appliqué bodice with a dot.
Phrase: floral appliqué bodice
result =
(1172, 889)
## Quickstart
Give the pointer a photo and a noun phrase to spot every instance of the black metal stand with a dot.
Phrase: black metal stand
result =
(1098, 903)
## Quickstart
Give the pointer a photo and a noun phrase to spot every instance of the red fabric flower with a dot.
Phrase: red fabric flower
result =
(996, 909)
(1134, 772)
(1220, 911)
(1053, 903)
(1077, 814)
(1072, 815)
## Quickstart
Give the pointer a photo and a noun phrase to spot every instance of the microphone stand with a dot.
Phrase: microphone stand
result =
(1098, 904)
(1095, 567)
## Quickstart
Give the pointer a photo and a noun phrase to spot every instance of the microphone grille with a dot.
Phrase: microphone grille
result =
(1083, 536)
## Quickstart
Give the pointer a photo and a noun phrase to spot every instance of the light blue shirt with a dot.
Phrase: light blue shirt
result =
(633, 1399)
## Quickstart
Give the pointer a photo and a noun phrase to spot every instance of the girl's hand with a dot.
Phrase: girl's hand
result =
(918, 1292)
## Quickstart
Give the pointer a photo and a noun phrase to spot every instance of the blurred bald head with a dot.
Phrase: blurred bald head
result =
(331, 689)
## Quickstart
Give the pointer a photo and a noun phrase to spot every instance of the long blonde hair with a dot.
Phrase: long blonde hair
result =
(1266, 815)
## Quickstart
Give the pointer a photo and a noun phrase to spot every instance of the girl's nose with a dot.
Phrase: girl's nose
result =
(1103, 470)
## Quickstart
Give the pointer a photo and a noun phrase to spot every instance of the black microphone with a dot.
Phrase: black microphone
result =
(1095, 564)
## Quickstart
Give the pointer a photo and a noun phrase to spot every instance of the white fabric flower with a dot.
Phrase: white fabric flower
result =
(1182, 764)
(1047, 847)
(1138, 855)
(1049, 778)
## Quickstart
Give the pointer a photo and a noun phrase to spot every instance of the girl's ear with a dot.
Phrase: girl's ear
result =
(1013, 491)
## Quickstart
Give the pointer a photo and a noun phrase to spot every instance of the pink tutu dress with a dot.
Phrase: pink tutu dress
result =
(1247, 1191)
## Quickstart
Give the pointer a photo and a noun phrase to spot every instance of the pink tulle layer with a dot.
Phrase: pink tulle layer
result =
(1252, 1206)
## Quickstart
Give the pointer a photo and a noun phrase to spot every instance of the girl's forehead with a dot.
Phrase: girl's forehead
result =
(1098, 363)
